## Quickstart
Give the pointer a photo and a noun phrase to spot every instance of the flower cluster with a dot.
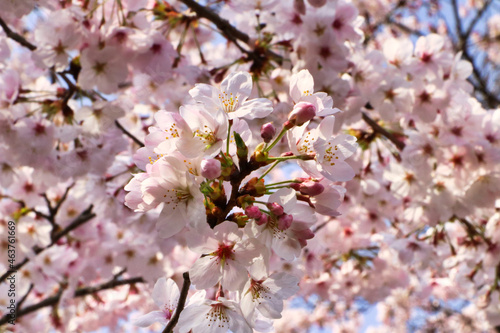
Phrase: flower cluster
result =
(208, 176)
(143, 142)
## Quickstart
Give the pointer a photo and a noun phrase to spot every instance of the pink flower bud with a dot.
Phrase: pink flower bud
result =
(311, 188)
(317, 3)
(267, 132)
(253, 212)
(301, 113)
(285, 221)
(299, 6)
(303, 236)
(275, 208)
(210, 168)
(262, 220)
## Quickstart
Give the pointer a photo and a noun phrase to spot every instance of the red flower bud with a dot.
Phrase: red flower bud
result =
(301, 113)
(267, 132)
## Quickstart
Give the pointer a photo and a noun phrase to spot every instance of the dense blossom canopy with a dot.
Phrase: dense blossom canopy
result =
(249, 165)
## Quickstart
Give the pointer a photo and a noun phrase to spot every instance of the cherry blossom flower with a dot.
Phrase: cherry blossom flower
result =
(266, 294)
(166, 296)
(232, 97)
(171, 185)
(217, 316)
(302, 90)
(55, 38)
(329, 152)
(286, 240)
(224, 257)
(102, 68)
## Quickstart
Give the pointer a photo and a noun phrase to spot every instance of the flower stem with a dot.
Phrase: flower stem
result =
(278, 138)
(268, 170)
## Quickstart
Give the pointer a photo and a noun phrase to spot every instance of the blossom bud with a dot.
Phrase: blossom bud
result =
(260, 155)
(267, 132)
(301, 113)
(285, 221)
(299, 6)
(255, 187)
(211, 168)
(240, 219)
(262, 220)
(317, 3)
(253, 212)
(311, 188)
(275, 208)
(241, 147)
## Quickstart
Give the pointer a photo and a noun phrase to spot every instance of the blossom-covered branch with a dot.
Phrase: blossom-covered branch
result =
(81, 292)
(15, 36)
(180, 305)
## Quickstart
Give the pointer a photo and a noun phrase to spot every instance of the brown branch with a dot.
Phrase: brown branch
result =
(373, 27)
(405, 28)
(224, 26)
(78, 293)
(231, 33)
(85, 216)
(127, 133)
(491, 100)
(21, 301)
(379, 129)
(478, 16)
(15, 36)
(53, 210)
(180, 305)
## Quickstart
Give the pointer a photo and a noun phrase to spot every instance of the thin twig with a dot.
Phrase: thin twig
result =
(127, 133)
(21, 301)
(405, 28)
(85, 216)
(223, 25)
(53, 210)
(491, 100)
(180, 306)
(474, 21)
(78, 293)
(230, 32)
(15, 36)
(379, 129)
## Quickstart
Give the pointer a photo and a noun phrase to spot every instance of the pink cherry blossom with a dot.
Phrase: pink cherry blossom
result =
(166, 296)
(232, 97)
(224, 257)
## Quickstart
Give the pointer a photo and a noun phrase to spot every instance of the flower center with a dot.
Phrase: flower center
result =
(217, 316)
(229, 102)
(305, 145)
(206, 135)
(330, 155)
(175, 196)
(259, 291)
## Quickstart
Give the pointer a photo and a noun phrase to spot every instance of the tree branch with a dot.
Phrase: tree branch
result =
(379, 129)
(127, 133)
(180, 306)
(224, 26)
(491, 100)
(85, 216)
(405, 28)
(233, 34)
(53, 210)
(78, 293)
(474, 21)
(15, 36)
